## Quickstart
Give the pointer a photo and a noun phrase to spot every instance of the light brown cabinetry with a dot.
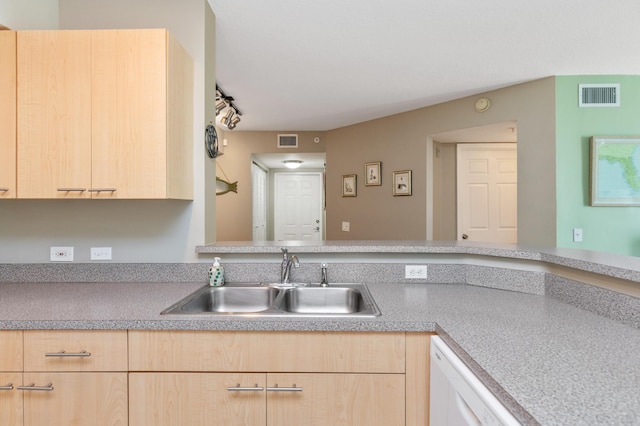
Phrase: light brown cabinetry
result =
(8, 114)
(276, 378)
(104, 114)
(68, 377)
(11, 403)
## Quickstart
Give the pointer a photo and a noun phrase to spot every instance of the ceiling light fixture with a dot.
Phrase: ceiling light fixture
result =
(292, 164)
(232, 116)
(235, 120)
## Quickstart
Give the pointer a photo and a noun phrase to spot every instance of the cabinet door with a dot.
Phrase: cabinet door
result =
(76, 399)
(336, 399)
(129, 113)
(11, 358)
(54, 114)
(196, 399)
(10, 399)
(8, 114)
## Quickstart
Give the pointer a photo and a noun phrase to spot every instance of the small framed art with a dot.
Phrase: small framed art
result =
(349, 185)
(402, 183)
(372, 174)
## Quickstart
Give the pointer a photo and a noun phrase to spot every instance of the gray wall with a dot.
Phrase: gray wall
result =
(400, 142)
(138, 231)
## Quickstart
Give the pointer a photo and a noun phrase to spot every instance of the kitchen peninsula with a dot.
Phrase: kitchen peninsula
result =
(553, 333)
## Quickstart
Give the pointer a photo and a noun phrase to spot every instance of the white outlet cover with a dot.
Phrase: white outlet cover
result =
(61, 254)
(100, 253)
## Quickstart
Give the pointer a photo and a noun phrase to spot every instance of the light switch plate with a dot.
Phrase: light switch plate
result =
(100, 253)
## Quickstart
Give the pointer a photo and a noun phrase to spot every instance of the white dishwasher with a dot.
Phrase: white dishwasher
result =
(457, 397)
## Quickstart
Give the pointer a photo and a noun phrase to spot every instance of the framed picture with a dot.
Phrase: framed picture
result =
(402, 183)
(615, 171)
(372, 175)
(349, 185)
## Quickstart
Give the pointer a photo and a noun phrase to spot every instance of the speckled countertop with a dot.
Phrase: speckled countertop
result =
(549, 362)
(613, 265)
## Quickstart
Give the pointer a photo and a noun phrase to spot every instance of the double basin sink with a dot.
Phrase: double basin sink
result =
(261, 299)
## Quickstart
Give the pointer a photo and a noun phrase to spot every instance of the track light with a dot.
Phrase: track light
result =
(226, 120)
(220, 106)
(232, 117)
(235, 120)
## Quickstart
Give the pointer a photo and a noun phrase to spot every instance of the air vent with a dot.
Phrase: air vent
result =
(599, 95)
(287, 141)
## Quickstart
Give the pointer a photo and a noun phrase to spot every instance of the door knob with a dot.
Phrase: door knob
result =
(465, 236)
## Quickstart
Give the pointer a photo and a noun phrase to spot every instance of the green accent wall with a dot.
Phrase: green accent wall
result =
(607, 229)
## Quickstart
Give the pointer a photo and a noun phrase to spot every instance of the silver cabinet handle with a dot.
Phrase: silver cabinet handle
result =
(8, 386)
(69, 354)
(239, 388)
(4, 189)
(72, 189)
(275, 388)
(32, 387)
(103, 190)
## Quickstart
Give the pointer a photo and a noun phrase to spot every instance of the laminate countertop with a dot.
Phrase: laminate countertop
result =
(549, 362)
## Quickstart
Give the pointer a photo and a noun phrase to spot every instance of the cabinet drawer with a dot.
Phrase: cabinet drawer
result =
(267, 351)
(11, 353)
(86, 350)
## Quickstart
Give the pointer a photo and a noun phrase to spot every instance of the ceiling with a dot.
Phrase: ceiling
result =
(302, 65)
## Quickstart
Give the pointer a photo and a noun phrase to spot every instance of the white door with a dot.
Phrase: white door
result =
(487, 192)
(260, 197)
(298, 206)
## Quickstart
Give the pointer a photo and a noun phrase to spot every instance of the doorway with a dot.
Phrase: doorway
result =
(442, 178)
(260, 195)
(487, 192)
(298, 206)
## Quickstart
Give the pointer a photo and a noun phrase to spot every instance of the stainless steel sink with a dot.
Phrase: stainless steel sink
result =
(337, 300)
(241, 299)
(322, 300)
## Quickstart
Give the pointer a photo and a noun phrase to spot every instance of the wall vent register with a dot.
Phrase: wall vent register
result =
(287, 141)
(598, 95)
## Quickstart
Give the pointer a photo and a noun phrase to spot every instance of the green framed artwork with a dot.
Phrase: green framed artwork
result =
(615, 170)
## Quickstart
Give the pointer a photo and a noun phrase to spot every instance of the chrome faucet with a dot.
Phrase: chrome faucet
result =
(324, 282)
(285, 266)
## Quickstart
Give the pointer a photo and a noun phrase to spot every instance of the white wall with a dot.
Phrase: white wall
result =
(138, 231)
(29, 14)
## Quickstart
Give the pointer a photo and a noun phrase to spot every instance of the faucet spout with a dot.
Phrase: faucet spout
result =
(285, 266)
(324, 282)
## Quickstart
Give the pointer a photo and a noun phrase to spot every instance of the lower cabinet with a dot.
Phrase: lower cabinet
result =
(10, 399)
(196, 399)
(336, 399)
(278, 378)
(266, 399)
(75, 399)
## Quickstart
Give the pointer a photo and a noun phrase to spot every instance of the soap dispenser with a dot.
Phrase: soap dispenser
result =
(216, 274)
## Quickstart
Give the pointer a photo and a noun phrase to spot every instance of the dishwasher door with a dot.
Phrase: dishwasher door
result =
(457, 397)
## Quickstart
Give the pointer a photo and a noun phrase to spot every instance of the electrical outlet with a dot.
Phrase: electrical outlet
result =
(61, 254)
(415, 271)
(577, 235)
(100, 253)
(346, 226)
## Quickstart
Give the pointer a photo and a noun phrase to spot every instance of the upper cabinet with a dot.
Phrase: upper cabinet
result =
(142, 115)
(104, 114)
(8, 114)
